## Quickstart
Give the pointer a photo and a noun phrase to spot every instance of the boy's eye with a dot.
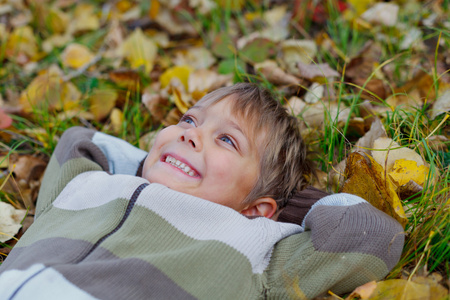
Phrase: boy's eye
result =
(187, 119)
(227, 140)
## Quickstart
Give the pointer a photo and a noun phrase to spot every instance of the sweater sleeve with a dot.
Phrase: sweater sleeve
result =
(347, 242)
(81, 150)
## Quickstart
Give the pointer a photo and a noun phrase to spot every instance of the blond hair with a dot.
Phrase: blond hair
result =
(283, 162)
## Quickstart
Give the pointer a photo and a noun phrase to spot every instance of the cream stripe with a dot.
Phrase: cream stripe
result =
(96, 188)
(46, 284)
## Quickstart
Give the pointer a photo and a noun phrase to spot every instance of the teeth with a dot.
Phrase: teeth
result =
(180, 165)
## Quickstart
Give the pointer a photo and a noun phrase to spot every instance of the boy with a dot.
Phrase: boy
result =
(195, 222)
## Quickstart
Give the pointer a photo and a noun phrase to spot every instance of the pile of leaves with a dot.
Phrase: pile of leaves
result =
(368, 80)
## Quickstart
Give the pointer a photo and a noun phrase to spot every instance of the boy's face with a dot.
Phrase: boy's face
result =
(207, 154)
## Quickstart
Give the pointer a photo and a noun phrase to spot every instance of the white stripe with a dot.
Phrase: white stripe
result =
(341, 199)
(46, 284)
(204, 220)
(123, 158)
(96, 188)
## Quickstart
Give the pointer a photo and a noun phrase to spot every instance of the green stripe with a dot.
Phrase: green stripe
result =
(194, 265)
(298, 269)
(87, 225)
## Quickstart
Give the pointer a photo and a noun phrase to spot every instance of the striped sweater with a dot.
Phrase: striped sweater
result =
(101, 232)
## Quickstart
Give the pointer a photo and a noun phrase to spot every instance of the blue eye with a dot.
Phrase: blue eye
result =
(227, 140)
(188, 120)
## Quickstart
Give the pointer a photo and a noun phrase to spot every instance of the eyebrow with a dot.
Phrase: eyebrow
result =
(229, 122)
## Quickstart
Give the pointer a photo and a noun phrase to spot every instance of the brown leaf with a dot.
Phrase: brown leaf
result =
(126, 78)
(204, 81)
(365, 178)
(274, 74)
(157, 105)
(365, 144)
(364, 291)
(313, 71)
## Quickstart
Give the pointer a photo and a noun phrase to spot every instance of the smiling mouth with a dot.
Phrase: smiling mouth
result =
(180, 165)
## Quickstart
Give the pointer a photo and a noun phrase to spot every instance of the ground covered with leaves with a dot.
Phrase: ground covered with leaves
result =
(369, 81)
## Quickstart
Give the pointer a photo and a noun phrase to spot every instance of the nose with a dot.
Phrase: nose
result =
(193, 137)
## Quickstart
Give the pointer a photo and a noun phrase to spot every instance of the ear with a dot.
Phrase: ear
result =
(264, 207)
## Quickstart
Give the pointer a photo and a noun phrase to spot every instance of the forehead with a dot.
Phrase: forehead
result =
(247, 117)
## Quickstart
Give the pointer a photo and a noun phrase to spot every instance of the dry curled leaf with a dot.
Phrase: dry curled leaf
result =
(365, 178)
(10, 219)
(315, 71)
(274, 74)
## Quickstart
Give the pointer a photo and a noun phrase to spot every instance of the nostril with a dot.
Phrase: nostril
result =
(192, 143)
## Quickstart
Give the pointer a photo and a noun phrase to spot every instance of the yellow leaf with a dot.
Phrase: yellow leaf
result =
(386, 152)
(360, 6)
(401, 289)
(182, 105)
(49, 91)
(102, 101)
(365, 178)
(57, 20)
(22, 42)
(406, 170)
(116, 120)
(139, 50)
(85, 18)
(76, 56)
(180, 72)
(154, 9)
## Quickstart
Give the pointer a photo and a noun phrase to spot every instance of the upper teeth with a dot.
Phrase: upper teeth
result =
(180, 165)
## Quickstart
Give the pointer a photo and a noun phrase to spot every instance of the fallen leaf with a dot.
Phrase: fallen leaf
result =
(364, 291)
(294, 51)
(203, 81)
(174, 25)
(5, 120)
(57, 20)
(360, 6)
(257, 50)
(76, 56)
(382, 13)
(386, 152)
(49, 91)
(274, 74)
(314, 71)
(404, 171)
(365, 143)
(85, 19)
(408, 190)
(125, 78)
(315, 114)
(172, 118)
(223, 46)
(101, 102)
(366, 179)
(231, 65)
(401, 289)
(10, 219)
(116, 117)
(139, 50)
(180, 72)
(441, 106)
(57, 41)
(22, 45)
(157, 105)
(314, 93)
(196, 57)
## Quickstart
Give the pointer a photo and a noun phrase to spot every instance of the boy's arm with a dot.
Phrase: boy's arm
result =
(81, 150)
(347, 242)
